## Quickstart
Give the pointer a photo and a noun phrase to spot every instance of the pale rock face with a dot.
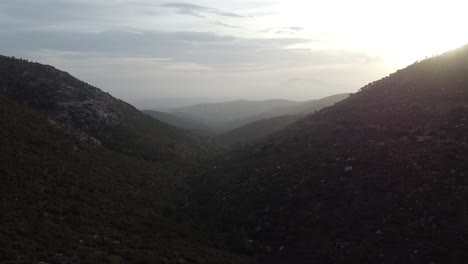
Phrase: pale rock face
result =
(65, 100)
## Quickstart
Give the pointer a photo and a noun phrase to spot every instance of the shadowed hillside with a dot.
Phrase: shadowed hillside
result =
(64, 200)
(380, 177)
(97, 115)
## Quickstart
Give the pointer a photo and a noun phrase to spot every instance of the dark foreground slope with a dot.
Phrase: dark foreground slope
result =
(381, 177)
(97, 115)
(87, 178)
(64, 200)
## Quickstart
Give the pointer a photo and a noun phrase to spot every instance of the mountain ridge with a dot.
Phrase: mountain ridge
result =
(181, 122)
(269, 123)
(223, 117)
(379, 177)
(255, 130)
(94, 113)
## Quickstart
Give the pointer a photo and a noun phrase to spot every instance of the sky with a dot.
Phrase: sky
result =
(255, 49)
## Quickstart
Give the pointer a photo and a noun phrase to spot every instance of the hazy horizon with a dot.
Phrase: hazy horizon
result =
(255, 50)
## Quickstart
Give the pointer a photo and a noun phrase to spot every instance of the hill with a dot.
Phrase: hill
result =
(64, 200)
(380, 177)
(283, 117)
(255, 130)
(171, 103)
(97, 115)
(223, 117)
(309, 107)
(180, 122)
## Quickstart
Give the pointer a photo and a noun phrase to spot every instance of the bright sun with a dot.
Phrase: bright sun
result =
(401, 31)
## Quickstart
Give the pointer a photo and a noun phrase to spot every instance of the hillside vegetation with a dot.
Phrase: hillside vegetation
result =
(67, 201)
(380, 177)
(87, 178)
(97, 115)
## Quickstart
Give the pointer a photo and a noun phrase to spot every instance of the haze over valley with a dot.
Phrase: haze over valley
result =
(247, 132)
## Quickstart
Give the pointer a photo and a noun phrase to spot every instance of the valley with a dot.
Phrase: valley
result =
(376, 176)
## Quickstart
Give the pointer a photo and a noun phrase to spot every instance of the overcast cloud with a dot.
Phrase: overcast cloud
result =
(228, 49)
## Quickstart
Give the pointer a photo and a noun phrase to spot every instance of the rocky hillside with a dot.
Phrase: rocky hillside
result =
(64, 200)
(97, 115)
(380, 177)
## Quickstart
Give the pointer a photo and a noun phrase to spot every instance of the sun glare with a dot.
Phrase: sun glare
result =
(399, 31)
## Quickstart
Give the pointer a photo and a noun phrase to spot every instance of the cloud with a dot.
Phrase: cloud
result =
(207, 49)
(197, 10)
(296, 28)
(219, 23)
(283, 30)
(119, 43)
(71, 15)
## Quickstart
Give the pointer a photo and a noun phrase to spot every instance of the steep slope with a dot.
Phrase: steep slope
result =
(64, 200)
(255, 130)
(99, 116)
(181, 122)
(282, 117)
(380, 177)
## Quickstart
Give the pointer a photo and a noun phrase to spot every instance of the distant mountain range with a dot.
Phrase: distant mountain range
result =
(283, 117)
(170, 103)
(181, 122)
(256, 130)
(225, 116)
(218, 118)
